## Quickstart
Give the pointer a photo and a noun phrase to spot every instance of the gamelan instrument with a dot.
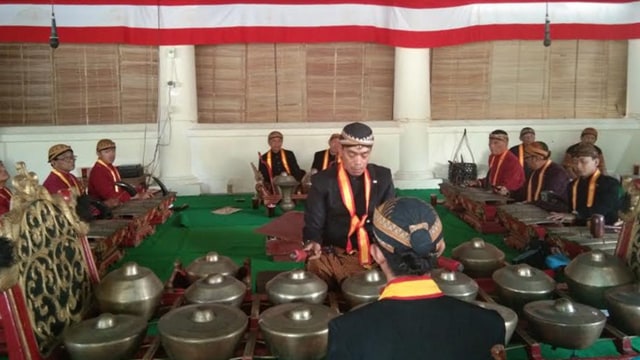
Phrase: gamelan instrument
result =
(476, 206)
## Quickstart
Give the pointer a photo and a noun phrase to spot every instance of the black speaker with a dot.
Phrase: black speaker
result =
(130, 171)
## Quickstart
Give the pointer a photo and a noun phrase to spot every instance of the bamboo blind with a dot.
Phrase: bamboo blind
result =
(77, 84)
(261, 83)
(524, 80)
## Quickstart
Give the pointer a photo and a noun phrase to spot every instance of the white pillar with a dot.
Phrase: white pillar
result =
(177, 112)
(633, 79)
(412, 109)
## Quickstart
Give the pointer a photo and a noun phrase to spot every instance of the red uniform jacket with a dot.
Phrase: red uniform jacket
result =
(60, 180)
(5, 200)
(102, 183)
(505, 170)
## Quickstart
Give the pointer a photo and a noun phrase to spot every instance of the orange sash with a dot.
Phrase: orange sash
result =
(115, 175)
(494, 174)
(325, 161)
(284, 162)
(64, 179)
(521, 154)
(536, 196)
(411, 288)
(357, 224)
(590, 194)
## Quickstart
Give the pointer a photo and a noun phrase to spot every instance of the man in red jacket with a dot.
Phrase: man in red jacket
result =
(505, 172)
(104, 176)
(62, 161)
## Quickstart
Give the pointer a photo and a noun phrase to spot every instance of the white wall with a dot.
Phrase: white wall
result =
(221, 153)
(618, 139)
(135, 144)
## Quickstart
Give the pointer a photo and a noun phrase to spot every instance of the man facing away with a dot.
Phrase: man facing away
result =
(104, 176)
(339, 207)
(527, 136)
(591, 192)
(324, 158)
(412, 318)
(278, 160)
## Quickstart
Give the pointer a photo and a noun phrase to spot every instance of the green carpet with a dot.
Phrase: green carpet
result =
(195, 231)
(192, 232)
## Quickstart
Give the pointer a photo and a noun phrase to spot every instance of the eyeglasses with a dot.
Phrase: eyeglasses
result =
(67, 158)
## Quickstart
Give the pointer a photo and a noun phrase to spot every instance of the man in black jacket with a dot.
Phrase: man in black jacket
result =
(592, 192)
(339, 206)
(527, 136)
(278, 160)
(324, 158)
(412, 318)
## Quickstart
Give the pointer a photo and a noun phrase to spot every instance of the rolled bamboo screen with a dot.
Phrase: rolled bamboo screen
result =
(524, 80)
(78, 84)
(263, 83)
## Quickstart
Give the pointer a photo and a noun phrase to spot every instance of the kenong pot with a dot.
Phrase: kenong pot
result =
(590, 274)
(202, 331)
(565, 323)
(296, 285)
(479, 258)
(297, 331)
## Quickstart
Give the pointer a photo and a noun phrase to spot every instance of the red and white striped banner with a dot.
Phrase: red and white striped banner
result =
(407, 23)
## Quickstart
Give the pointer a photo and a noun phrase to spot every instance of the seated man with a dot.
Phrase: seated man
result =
(278, 160)
(527, 136)
(413, 319)
(104, 176)
(505, 173)
(5, 193)
(546, 176)
(340, 205)
(62, 161)
(61, 181)
(591, 192)
(589, 136)
(324, 158)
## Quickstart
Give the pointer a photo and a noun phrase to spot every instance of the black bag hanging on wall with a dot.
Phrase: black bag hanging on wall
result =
(459, 172)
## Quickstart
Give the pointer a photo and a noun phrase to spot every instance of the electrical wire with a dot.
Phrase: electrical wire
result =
(163, 128)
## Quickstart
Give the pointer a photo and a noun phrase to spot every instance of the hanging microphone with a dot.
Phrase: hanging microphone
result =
(547, 33)
(53, 38)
